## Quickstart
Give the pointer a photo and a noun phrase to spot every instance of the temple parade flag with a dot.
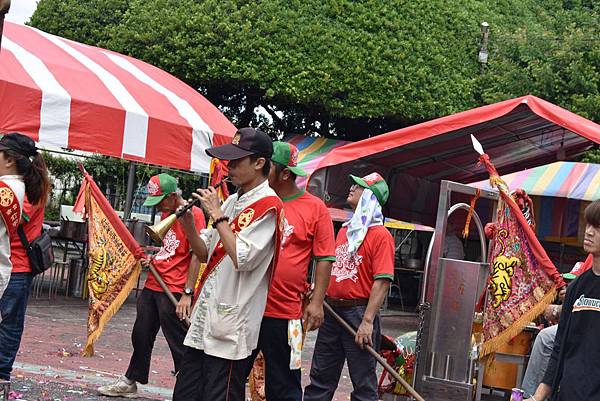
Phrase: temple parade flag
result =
(218, 171)
(523, 280)
(114, 255)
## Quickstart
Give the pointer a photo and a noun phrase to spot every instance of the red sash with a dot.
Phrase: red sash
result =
(249, 215)
(9, 208)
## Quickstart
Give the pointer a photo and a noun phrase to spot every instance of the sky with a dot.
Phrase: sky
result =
(21, 10)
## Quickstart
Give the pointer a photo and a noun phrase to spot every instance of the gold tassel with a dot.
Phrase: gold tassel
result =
(111, 310)
(493, 344)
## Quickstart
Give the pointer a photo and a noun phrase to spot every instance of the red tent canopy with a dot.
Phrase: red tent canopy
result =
(518, 133)
(71, 95)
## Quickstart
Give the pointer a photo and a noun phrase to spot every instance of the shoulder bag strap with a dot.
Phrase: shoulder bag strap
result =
(23, 237)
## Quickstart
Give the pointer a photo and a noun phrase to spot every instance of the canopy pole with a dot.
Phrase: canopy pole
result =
(130, 188)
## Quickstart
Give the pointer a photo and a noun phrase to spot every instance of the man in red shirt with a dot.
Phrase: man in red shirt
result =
(178, 268)
(360, 279)
(308, 234)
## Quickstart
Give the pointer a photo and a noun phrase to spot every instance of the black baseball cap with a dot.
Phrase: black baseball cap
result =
(18, 143)
(246, 141)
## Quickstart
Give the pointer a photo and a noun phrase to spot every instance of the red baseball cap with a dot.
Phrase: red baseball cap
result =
(160, 186)
(375, 183)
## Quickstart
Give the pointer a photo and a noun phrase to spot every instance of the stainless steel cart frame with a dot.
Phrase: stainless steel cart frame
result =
(445, 361)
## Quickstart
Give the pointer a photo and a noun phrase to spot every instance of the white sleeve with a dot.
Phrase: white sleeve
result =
(5, 263)
(253, 240)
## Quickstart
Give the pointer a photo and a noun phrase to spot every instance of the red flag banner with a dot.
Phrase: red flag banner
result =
(523, 280)
(218, 171)
(113, 254)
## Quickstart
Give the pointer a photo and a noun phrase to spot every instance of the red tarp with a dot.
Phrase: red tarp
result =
(518, 133)
(71, 95)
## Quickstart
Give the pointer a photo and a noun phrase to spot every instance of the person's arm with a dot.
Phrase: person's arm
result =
(314, 314)
(210, 203)
(5, 263)
(364, 334)
(253, 241)
(381, 251)
(197, 244)
(323, 247)
(542, 393)
(544, 390)
(184, 306)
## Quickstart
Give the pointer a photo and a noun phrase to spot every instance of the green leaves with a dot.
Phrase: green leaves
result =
(345, 68)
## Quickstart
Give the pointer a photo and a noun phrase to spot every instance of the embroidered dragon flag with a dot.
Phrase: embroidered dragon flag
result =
(523, 280)
(113, 264)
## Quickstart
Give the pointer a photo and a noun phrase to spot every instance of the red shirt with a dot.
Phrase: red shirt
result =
(308, 232)
(353, 277)
(172, 262)
(33, 229)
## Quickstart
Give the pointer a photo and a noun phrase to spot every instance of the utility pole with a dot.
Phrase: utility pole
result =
(130, 190)
(482, 57)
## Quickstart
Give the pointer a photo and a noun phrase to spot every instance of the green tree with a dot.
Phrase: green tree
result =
(84, 21)
(336, 67)
(349, 69)
(557, 58)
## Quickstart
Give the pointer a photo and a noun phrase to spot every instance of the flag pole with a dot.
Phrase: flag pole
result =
(166, 290)
(374, 353)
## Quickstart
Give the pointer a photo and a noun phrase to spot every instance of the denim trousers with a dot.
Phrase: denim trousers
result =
(12, 307)
(539, 358)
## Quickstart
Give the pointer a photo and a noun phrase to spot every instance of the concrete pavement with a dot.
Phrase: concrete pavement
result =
(55, 333)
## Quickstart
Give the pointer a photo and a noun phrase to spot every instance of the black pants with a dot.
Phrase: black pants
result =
(334, 346)
(208, 378)
(281, 382)
(154, 311)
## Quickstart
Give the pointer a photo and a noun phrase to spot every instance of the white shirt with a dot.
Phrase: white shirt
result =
(227, 315)
(15, 182)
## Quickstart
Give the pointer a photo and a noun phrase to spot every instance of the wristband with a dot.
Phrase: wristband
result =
(533, 398)
(219, 220)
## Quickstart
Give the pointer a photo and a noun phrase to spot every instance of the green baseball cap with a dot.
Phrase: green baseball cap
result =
(287, 154)
(160, 186)
(375, 183)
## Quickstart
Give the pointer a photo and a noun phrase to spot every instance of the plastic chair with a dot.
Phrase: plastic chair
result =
(37, 285)
(58, 278)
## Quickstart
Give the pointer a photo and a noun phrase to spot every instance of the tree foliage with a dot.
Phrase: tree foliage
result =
(345, 68)
(557, 58)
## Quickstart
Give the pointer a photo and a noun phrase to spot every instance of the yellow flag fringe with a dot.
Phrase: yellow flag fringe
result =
(112, 309)
(493, 344)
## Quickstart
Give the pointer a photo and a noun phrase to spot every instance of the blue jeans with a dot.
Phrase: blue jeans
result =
(539, 358)
(12, 307)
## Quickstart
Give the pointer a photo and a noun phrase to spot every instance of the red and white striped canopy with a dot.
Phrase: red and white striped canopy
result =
(75, 96)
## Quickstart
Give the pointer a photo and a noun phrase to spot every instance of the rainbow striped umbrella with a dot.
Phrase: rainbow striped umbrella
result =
(560, 192)
(311, 151)
(343, 215)
(569, 180)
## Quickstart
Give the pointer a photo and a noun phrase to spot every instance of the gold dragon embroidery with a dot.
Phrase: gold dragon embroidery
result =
(502, 272)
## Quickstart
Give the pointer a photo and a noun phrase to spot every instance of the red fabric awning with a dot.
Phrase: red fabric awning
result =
(517, 123)
(518, 133)
(75, 96)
